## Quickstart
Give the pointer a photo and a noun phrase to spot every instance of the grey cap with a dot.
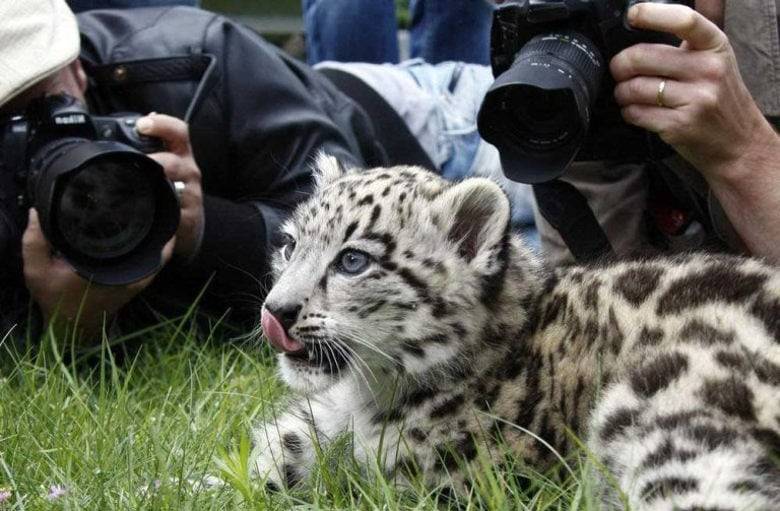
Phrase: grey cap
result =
(37, 38)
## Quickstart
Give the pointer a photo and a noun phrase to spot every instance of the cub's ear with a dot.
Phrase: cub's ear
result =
(327, 169)
(476, 214)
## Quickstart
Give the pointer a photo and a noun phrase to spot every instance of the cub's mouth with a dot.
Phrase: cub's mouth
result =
(327, 355)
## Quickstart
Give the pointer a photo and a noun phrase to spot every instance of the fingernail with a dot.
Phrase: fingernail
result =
(143, 125)
(632, 13)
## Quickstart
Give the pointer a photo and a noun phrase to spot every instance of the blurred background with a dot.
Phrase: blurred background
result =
(280, 20)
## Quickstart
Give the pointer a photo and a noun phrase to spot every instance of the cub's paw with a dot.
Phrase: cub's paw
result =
(276, 457)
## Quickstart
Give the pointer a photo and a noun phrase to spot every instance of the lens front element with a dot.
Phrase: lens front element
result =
(538, 111)
(106, 209)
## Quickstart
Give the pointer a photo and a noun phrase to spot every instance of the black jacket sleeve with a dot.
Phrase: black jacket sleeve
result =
(262, 120)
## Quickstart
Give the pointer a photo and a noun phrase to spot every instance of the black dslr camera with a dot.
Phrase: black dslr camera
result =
(104, 206)
(552, 99)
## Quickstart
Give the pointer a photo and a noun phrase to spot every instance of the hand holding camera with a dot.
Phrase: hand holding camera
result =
(691, 95)
(180, 167)
(63, 296)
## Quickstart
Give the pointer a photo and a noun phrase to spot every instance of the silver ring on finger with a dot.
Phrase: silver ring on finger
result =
(659, 97)
(178, 187)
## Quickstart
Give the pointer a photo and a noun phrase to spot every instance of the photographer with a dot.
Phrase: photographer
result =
(694, 97)
(256, 120)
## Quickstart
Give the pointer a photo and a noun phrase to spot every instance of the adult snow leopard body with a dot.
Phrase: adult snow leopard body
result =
(408, 314)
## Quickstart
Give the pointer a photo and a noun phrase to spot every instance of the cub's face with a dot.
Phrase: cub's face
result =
(383, 271)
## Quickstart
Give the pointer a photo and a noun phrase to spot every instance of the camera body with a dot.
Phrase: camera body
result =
(552, 99)
(104, 206)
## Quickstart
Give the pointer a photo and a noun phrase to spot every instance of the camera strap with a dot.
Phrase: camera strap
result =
(568, 211)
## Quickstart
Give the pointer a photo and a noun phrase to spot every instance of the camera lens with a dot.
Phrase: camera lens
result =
(538, 111)
(106, 209)
(542, 117)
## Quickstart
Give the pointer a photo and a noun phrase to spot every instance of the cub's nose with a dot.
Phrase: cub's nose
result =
(287, 314)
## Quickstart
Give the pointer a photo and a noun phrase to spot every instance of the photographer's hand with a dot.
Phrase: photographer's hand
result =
(64, 296)
(706, 113)
(179, 164)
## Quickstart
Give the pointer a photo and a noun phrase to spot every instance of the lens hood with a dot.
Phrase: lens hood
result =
(107, 208)
(562, 71)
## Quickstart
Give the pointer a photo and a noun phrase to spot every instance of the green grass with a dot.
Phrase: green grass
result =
(136, 434)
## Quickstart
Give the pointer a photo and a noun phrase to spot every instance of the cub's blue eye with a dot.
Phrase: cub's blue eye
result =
(288, 248)
(353, 261)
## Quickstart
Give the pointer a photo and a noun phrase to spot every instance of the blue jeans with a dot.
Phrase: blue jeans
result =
(366, 30)
(439, 104)
(87, 5)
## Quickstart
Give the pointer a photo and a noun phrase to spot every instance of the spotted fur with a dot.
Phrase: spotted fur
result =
(454, 339)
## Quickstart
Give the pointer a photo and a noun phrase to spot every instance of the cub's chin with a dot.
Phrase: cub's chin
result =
(303, 377)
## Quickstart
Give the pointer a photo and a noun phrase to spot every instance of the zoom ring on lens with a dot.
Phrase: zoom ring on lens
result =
(578, 54)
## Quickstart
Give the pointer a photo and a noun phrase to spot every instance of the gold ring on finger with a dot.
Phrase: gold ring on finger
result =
(659, 97)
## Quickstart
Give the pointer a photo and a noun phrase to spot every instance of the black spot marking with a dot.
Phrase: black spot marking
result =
(734, 361)
(667, 487)
(664, 454)
(350, 230)
(383, 238)
(711, 436)
(676, 420)
(418, 435)
(592, 294)
(718, 283)
(770, 439)
(374, 216)
(292, 443)
(745, 486)
(657, 374)
(591, 332)
(388, 416)
(637, 284)
(701, 332)
(731, 396)
(554, 309)
(767, 309)
(451, 453)
(450, 406)
(767, 372)
(412, 347)
(420, 395)
(415, 282)
(366, 201)
(617, 423)
(486, 397)
(613, 335)
(651, 336)
(291, 476)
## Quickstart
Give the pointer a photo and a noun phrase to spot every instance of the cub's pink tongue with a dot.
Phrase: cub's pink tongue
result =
(276, 335)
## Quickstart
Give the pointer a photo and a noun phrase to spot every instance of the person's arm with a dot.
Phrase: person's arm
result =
(707, 114)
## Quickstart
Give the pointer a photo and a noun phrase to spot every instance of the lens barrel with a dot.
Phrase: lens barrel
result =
(105, 207)
(538, 111)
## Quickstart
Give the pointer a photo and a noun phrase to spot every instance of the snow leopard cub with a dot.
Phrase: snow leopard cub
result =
(408, 314)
